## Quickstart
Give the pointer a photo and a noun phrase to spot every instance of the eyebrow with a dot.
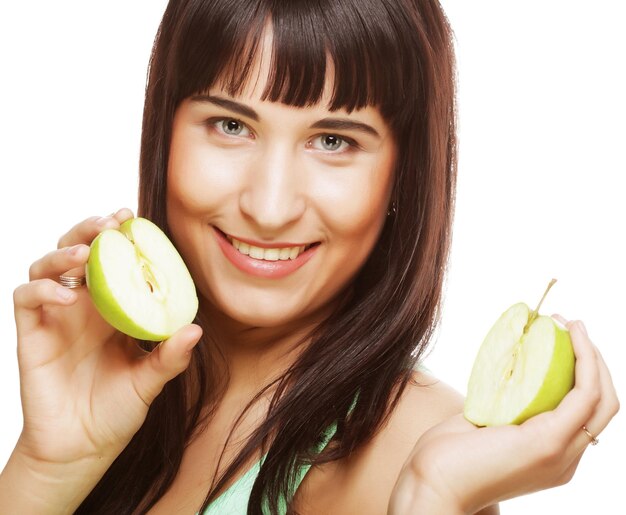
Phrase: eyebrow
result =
(231, 105)
(325, 123)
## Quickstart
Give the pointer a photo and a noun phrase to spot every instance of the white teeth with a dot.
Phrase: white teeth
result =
(272, 254)
(282, 254)
(256, 252)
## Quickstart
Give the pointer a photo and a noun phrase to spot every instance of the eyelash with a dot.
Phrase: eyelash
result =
(352, 145)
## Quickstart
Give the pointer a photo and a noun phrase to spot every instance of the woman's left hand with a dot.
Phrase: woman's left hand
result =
(461, 468)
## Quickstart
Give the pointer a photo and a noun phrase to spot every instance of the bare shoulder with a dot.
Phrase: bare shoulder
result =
(363, 482)
(425, 402)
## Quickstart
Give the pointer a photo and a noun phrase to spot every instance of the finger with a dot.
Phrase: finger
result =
(166, 361)
(609, 392)
(560, 319)
(568, 473)
(604, 410)
(123, 214)
(58, 262)
(578, 405)
(29, 298)
(607, 407)
(85, 231)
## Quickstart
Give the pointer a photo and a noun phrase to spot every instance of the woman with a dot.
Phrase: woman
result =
(325, 130)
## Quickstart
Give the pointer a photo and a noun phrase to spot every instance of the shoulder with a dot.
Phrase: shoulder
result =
(363, 482)
(425, 402)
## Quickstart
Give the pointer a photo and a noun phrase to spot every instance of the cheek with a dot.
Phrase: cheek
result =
(200, 176)
(353, 218)
(191, 182)
(354, 205)
(190, 194)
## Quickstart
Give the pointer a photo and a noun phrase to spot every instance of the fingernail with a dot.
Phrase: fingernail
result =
(64, 293)
(74, 250)
(191, 346)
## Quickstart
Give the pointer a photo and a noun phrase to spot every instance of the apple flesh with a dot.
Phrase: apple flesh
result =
(524, 367)
(138, 281)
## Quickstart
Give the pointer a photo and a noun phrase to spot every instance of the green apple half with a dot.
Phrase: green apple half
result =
(138, 281)
(524, 367)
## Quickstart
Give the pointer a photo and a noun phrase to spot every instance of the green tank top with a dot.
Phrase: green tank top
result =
(234, 501)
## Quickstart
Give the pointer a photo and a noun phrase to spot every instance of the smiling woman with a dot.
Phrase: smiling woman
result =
(278, 154)
(302, 158)
(274, 187)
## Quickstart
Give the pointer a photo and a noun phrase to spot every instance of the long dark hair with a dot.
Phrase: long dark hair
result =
(396, 55)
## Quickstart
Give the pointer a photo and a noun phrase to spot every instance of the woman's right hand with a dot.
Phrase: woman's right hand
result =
(85, 386)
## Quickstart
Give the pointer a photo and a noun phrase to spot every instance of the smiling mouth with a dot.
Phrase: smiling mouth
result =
(268, 254)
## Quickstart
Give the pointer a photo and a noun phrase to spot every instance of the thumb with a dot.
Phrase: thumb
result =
(166, 361)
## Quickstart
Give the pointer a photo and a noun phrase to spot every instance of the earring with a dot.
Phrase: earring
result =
(392, 209)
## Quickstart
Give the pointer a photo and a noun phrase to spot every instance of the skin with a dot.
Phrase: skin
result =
(415, 464)
(116, 384)
(273, 182)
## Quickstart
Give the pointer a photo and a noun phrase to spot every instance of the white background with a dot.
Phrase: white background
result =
(540, 191)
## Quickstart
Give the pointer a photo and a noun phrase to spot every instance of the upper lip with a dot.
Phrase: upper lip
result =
(264, 245)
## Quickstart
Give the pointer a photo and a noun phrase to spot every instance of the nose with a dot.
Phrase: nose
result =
(272, 195)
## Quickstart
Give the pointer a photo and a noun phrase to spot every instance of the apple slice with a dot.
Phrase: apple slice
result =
(138, 281)
(524, 367)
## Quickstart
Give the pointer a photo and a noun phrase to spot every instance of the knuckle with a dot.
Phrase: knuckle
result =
(92, 221)
(38, 269)
(565, 478)
(18, 294)
(615, 406)
(42, 287)
(561, 480)
(595, 395)
(61, 241)
(33, 270)
(592, 395)
(87, 225)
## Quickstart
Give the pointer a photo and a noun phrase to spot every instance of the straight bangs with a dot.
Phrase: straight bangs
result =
(363, 43)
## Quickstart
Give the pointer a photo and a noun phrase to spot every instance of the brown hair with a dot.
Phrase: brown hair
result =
(396, 55)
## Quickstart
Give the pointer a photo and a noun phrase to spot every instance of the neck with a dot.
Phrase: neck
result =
(256, 356)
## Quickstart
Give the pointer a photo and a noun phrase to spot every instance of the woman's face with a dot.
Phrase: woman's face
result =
(278, 179)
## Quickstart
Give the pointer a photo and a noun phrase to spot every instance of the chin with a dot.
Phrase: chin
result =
(260, 319)
(267, 314)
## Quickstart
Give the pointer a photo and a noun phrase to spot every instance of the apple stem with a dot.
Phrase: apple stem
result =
(534, 314)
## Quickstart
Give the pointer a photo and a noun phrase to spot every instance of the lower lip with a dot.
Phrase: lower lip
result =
(261, 267)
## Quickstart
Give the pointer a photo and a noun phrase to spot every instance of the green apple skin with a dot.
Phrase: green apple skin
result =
(108, 305)
(495, 398)
(559, 379)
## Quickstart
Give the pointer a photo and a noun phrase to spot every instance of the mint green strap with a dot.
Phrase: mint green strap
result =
(234, 501)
